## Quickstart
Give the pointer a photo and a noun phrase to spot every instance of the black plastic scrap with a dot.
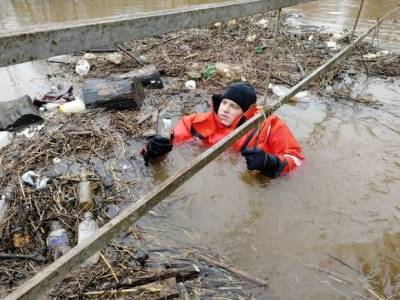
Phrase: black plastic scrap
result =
(18, 113)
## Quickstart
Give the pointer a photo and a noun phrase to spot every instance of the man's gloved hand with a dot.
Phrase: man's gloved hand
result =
(268, 164)
(156, 147)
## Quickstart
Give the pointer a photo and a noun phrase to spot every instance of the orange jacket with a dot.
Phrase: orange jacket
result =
(275, 137)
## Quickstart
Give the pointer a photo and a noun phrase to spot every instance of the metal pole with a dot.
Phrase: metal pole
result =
(358, 17)
(278, 21)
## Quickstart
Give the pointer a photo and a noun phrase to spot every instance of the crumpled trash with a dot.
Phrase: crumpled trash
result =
(195, 71)
(35, 179)
(50, 107)
(115, 58)
(60, 93)
(251, 38)
(334, 40)
(281, 90)
(6, 138)
(372, 56)
(143, 59)
(112, 210)
(29, 132)
(217, 25)
(262, 23)
(190, 85)
(232, 72)
(232, 23)
(82, 67)
(89, 56)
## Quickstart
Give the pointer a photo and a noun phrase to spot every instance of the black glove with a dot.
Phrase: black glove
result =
(156, 147)
(269, 164)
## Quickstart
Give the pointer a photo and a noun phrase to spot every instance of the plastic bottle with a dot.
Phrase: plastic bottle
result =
(3, 208)
(166, 121)
(57, 241)
(85, 193)
(87, 229)
(75, 106)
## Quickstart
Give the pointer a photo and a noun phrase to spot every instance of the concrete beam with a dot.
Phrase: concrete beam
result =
(50, 40)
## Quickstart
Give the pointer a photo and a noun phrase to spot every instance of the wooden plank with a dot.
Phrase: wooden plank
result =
(44, 280)
(45, 41)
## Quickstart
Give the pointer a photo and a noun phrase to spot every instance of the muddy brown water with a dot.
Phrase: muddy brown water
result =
(342, 202)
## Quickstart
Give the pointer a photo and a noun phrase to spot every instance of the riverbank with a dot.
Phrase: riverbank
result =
(107, 143)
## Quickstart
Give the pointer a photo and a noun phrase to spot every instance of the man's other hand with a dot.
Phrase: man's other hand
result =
(156, 147)
(268, 164)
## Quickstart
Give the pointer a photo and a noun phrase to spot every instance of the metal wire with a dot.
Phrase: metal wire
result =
(358, 18)
(278, 21)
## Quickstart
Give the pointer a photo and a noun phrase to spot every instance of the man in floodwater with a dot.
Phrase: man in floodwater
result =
(270, 149)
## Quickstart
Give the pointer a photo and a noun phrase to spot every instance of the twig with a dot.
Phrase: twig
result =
(22, 188)
(344, 263)
(234, 270)
(34, 257)
(281, 80)
(80, 133)
(300, 68)
(123, 291)
(129, 54)
(161, 42)
(331, 273)
(109, 266)
(372, 292)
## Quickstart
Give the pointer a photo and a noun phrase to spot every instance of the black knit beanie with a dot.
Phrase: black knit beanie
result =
(242, 94)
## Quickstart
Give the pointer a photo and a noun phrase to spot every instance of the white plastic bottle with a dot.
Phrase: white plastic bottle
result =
(57, 241)
(75, 106)
(86, 229)
(3, 208)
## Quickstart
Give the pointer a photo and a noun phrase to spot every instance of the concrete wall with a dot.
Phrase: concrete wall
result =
(44, 42)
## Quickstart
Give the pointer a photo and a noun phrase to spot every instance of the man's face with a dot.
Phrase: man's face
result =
(228, 111)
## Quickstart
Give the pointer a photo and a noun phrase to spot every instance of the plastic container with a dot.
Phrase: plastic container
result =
(3, 208)
(86, 229)
(166, 121)
(85, 193)
(75, 106)
(57, 241)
